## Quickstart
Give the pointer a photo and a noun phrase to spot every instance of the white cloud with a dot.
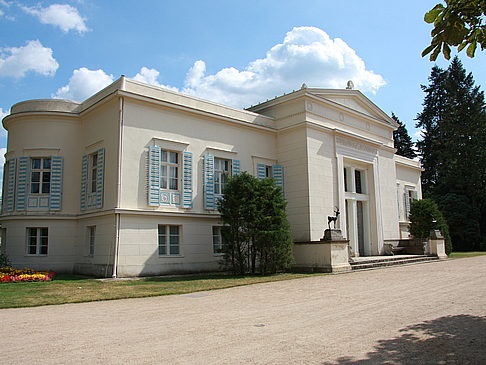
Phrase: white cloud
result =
(307, 54)
(3, 151)
(17, 61)
(3, 114)
(83, 83)
(150, 76)
(63, 16)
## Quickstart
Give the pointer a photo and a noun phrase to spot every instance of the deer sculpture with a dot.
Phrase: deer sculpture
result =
(333, 218)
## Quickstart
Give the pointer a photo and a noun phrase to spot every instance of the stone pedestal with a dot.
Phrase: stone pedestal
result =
(436, 244)
(330, 254)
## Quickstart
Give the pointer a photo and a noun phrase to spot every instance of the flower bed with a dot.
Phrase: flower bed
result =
(9, 274)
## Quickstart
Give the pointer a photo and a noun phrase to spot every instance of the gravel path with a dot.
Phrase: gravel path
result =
(433, 313)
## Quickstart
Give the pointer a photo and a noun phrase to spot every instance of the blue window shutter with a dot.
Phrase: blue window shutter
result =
(55, 201)
(154, 176)
(187, 180)
(278, 175)
(22, 183)
(100, 177)
(11, 184)
(84, 182)
(209, 202)
(235, 167)
(261, 171)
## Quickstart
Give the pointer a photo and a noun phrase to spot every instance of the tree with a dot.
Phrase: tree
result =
(402, 140)
(458, 24)
(256, 235)
(452, 152)
(426, 216)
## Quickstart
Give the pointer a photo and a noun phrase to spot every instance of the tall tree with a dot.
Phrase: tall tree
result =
(460, 23)
(402, 140)
(453, 152)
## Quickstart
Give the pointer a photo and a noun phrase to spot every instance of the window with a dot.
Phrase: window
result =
(358, 178)
(40, 175)
(169, 237)
(169, 170)
(93, 172)
(222, 169)
(410, 196)
(346, 186)
(268, 172)
(37, 239)
(91, 240)
(217, 240)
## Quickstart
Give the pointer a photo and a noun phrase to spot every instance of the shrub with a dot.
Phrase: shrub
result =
(4, 260)
(422, 215)
(256, 235)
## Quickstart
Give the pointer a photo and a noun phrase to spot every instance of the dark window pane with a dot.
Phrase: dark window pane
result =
(94, 159)
(46, 177)
(162, 250)
(174, 230)
(36, 163)
(43, 250)
(34, 188)
(46, 164)
(174, 250)
(346, 179)
(357, 178)
(35, 176)
(32, 250)
(161, 229)
(174, 157)
(46, 188)
(44, 231)
(163, 156)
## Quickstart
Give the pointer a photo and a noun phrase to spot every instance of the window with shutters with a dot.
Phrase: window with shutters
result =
(91, 235)
(169, 170)
(40, 175)
(37, 241)
(92, 180)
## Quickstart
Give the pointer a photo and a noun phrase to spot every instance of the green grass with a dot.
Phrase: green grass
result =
(460, 255)
(71, 289)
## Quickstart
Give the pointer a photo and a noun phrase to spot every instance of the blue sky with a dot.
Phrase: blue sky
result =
(234, 52)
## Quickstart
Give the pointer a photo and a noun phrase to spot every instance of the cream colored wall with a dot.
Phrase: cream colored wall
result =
(322, 180)
(292, 154)
(61, 244)
(99, 128)
(40, 135)
(101, 263)
(146, 125)
(388, 195)
(138, 253)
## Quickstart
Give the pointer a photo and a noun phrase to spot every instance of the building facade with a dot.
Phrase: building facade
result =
(126, 182)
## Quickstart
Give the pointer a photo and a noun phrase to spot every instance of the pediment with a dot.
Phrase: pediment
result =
(354, 100)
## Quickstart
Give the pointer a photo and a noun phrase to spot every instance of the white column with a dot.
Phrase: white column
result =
(341, 195)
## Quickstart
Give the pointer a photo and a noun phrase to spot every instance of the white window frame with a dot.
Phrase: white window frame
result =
(167, 163)
(217, 240)
(38, 235)
(169, 238)
(222, 170)
(42, 171)
(91, 239)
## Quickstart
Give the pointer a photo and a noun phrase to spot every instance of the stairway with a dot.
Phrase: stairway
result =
(364, 263)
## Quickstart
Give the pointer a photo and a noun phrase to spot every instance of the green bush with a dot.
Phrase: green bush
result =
(4, 260)
(256, 233)
(422, 215)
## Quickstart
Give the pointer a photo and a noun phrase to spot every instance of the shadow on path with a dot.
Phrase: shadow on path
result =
(459, 339)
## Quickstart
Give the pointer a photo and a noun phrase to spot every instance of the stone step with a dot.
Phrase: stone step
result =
(395, 260)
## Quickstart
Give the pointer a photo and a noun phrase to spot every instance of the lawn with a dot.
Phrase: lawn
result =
(71, 289)
(460, 255)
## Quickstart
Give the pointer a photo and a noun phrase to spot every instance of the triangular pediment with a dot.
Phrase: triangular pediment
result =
(354, 100)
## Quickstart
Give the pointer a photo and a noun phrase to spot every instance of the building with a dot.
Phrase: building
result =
(125, 183)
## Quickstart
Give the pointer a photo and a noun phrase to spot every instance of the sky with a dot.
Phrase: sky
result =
(236, 53)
